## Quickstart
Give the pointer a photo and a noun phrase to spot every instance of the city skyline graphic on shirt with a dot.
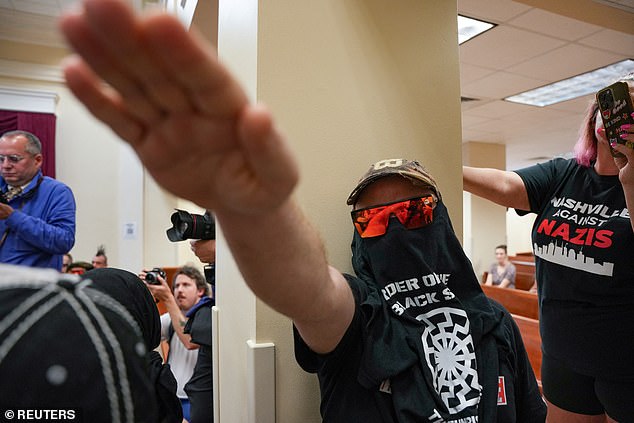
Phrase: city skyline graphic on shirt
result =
(562, 255)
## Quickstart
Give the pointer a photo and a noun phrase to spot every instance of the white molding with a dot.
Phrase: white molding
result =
(260, 382)
(28, 100)
(24, 70)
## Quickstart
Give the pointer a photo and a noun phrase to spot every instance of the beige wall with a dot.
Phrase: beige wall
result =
(518, 230)
(353, 82)
(109, 185)
(486, 226)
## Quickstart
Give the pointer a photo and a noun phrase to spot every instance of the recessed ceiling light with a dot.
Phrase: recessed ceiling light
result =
(469, 28)
(574, 87)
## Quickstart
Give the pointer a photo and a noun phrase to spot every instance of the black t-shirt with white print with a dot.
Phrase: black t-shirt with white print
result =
(344, 399)
(584, 253)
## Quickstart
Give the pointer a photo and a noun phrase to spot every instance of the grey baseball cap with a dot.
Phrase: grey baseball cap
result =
(410, 169)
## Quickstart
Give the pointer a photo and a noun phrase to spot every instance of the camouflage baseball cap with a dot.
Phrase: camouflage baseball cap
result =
(407, 168)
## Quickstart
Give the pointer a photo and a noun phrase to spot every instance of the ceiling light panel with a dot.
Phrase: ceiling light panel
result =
(574, 87)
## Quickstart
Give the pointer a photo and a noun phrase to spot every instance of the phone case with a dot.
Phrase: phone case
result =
(615, 104)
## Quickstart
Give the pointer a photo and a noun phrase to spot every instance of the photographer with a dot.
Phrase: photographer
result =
(201, 231)
(37, 213)
(188, 288)
(205, 250)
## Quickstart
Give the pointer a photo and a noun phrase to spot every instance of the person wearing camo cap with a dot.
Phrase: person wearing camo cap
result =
(411, 337)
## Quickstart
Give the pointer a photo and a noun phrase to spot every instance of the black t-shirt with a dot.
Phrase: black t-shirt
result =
(344, 399)
(199, 327)
(584, 255)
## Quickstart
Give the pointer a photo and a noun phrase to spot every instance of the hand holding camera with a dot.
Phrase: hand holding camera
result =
(156, 283)
(152, 277)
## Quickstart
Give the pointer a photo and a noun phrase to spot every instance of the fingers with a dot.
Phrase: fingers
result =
(121, 32)
(96, 49)
(626, 149)
(100, 100)
(187, 58)
(153, 62)
(267, 152)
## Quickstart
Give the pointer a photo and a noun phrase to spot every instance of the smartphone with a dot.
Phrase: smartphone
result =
(615, 105)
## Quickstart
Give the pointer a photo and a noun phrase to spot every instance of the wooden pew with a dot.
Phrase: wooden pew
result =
(525, 270)
(524, 309)
(529, 329)
(516, 301)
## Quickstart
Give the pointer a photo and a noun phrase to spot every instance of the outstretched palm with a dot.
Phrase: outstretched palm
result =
(186, 117)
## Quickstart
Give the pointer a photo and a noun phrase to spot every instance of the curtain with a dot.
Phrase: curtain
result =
(40, 124)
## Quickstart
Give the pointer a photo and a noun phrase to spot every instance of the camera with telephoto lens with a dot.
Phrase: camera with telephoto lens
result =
(191, 226)
(152, 277)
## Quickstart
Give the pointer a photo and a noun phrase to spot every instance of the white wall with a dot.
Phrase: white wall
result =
(518, 232)
(110, 187)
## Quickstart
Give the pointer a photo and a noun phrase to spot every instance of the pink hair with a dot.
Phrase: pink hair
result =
(585, 149)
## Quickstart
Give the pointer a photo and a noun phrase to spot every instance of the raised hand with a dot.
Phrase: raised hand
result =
(163, 90)
(626, 162)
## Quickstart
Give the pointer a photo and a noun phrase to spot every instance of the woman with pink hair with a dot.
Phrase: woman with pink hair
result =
(583, 241)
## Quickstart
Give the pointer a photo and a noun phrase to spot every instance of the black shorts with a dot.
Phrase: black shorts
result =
(588, 395)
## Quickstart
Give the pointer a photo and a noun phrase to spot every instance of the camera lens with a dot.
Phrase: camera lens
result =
(152, 277)
(606, 99)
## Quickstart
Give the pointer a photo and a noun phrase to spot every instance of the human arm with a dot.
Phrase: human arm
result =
(500, 186)
(162, 292)
(626, 172)
(509, 276)
(191, 125)
(204, 249)
(47, 220)
(505, 283)
(489, 279)
(533, 288)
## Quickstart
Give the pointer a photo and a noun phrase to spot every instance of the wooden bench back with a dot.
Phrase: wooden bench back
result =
(529, 329)
(525, 270)
(516, 301)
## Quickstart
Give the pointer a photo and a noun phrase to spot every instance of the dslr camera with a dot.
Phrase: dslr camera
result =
(191, 226)
(152, 277)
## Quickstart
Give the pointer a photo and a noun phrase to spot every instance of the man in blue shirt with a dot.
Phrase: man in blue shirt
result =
(37, 213)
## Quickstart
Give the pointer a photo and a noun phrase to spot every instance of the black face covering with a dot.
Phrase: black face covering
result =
(426, 320)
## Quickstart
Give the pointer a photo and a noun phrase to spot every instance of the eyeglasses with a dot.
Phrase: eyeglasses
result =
(413, 213)
(12, 158)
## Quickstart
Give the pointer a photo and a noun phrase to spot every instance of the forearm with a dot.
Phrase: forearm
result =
(283, 261)
(502, 187)
(281, 257)
(178, 323)
(56, 237)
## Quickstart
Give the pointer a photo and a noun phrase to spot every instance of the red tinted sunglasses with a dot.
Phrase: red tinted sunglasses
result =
(412, 213)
